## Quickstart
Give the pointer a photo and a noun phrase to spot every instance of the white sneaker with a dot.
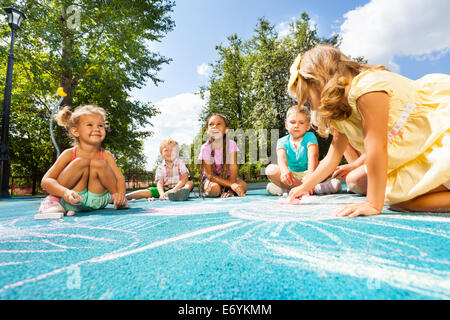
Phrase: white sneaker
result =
(50, 210)
(275, 190)
(328, 187)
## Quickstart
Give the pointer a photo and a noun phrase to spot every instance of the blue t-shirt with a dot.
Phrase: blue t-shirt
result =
(297, 159)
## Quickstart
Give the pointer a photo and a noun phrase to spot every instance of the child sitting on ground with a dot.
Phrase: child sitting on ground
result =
(297, 155)
(85, 177)
(220, 167)
(172, 177)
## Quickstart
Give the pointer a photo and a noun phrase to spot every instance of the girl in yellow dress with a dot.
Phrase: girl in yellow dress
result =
(402, 126)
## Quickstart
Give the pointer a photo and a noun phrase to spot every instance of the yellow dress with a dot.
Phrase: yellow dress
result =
(419, 130)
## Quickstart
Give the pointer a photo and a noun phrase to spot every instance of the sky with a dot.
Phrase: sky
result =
(410, 37)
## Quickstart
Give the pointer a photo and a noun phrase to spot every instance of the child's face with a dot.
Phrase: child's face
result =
(169, 153)
(297, 124)
(216, 127)
(90, 129)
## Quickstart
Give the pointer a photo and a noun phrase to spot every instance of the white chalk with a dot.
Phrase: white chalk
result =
(49, 215)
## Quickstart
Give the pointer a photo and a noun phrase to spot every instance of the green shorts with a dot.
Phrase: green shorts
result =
(155, 192)
(91, 201)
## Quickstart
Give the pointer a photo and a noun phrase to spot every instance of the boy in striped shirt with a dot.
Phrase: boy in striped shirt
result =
(172, 176)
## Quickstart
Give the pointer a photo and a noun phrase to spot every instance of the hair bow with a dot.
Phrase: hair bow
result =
(294, 71)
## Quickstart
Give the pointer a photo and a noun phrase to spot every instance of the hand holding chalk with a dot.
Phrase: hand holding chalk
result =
(289, 200)
(72, 197)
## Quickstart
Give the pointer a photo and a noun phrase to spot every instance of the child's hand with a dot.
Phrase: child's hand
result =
(287, 177)
(227, 194)
(358, 209)
(237, 188)
(72, 197)
(341, 172)
(164, 196)
(297, 193)
(119, 199)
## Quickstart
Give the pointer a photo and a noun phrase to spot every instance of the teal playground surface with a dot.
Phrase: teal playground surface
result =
(235, 248)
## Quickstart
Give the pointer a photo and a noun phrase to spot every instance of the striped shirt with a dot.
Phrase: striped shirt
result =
(171, 176)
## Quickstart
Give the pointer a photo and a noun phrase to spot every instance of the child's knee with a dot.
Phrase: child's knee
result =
(272, 169)
(189, 185)
(212, 190)
(356, 182)
(97, 164)
(243, 185)
(81, 163)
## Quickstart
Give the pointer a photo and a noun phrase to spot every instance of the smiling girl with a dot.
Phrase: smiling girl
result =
(220, 168)
(85, 177)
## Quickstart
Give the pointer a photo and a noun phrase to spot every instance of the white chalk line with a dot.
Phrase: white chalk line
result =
(3, 264)
(112, 256)
(116, 255)
(372, 268)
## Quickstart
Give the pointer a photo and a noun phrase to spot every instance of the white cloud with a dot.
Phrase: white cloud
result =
(204, 69)
(384, 29)
(178, 120)
(283, 28)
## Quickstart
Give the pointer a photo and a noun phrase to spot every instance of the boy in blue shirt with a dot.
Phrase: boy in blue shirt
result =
(298, 156)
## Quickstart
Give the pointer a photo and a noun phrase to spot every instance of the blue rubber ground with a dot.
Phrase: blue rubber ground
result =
(238, 248)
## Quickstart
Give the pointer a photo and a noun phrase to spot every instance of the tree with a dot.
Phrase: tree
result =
(229, 84)
(96, 50)
(249, 80)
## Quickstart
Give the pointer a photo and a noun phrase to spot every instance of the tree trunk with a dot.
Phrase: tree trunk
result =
(33, 188)
(66, 72)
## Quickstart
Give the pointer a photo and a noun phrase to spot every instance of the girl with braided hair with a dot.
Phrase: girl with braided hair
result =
(219, 161)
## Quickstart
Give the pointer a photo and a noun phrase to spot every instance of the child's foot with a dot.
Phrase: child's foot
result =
(328, 187)
(275, 190)
(50, 208)
(179, 195)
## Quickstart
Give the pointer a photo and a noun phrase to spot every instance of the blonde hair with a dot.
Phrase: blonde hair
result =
(326, 69)
(168, 142)
(70, 119)
(299, 109)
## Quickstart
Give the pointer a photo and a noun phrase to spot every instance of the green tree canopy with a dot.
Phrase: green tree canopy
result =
(97, 51)
(248, 83)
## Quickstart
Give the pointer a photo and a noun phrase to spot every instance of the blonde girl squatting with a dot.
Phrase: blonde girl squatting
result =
(84, 177)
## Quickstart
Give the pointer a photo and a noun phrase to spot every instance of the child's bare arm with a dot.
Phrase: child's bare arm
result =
(233, 167)
(214, 178)
(342, 171)
(50, 180)
(182, 182)
(286, 175)
(374, 110)
(160, 187)
(120, 179)
(313, 157)
(325, 167)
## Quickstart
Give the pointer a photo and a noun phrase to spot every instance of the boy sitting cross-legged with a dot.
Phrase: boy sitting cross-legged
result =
(297, 155)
